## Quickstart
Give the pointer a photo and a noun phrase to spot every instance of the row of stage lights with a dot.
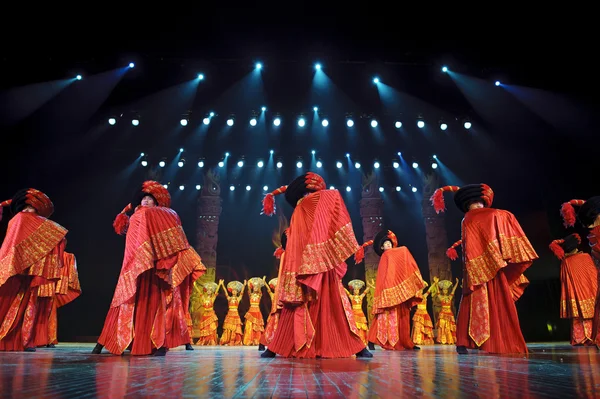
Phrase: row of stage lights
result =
(265, 188)
(302, 122)
(279, 164)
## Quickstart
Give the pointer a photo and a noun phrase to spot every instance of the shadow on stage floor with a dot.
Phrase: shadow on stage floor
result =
(69, 370)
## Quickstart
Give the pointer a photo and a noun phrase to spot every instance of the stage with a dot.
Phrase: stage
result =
(71, 371)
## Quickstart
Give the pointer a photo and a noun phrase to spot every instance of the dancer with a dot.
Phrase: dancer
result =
(316, 319)
(397, 289)
(255, 324)
(232, 326)
(209, 321)
(68, 289)
(496, 252)
(150, 307)
(273, 319)
(446, 323)
(579, 287)
(356, 298)
(422, 328)
(31, 263)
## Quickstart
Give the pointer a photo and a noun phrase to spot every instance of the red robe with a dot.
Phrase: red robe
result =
(273, 319)
(594, 240)
(316, 317)
(496, 252)
(397, 290)
(30, 266)
(158, 272)
(579, 286)
(67, 290)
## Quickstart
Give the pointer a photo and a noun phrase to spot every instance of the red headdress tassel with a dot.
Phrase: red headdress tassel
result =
(437, 199)
(314, 182)
(451, 252)
(2, 205)
(268, 203)
(359, 256)
(122, 221)
(568, 212)
(278, 253)
(578, 237)
(556, 249)
(392, 236)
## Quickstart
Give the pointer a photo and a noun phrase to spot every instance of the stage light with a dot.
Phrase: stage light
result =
(182, 187)
(434, 165)
(231, 188)
(357, 165)
(200, 164)
(299, 165)
(373, 123)
(230, 122)
(181, 162)
(78, 77)
(276, 121)
(313, 152)
(349, 123)
(398, 188)
(142, 154)
(198, 187)
(240, 164)
(347, 155)
(135, 122)
(467, 125)
(162, 163)
(165, 185)
(144, 163)
(315, 109)
(443, 126)
(221, 164)
(264, 109)
(398, 124)
(271, 152)
(319, 164)
(414, 189)
(248, 188)
(301, 122)
(497, 83)
(348, 189)
(112, 121)
(325, 123)
(131, 65)
(444, 69)
(420, 124)
(265, 188)
(200, 76)
(415, 165)
(279, 165)
(396, 165)
(211, 114)
(434, 156)
(183, 122)
(260, 164)
(375, 80)
(380, 189)
(253, 122)
(258, 65)
(318, 67)
(206, 121)
(181, 150)
(227, 154)
(376, 165)
(338, 165)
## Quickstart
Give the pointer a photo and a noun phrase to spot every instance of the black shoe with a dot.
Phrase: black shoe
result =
(97, 349)
(462, 350)
(162, 351)
(267, 353)
(29, 349)
(416, 348)
(50, 346)
(371, 346)
(364, 353)
(261, 347)
(188, 347)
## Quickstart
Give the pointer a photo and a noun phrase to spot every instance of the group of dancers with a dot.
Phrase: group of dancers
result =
(312, 314)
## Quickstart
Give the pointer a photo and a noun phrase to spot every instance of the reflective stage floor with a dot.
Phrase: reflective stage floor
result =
(69, 371)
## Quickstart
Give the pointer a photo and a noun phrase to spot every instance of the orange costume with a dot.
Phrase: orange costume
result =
(579, 286)
(67, 290)
(232, 326)
(255, 324)
(589, 216)
(209, 321)
(31, 265)
(316, 318)
(496, 252)
(356, 298)
(446, 324)
(422, 328)
(397, 289)
(150, 308)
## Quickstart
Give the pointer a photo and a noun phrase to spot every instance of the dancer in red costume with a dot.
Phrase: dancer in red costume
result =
(397, 289)
(67, 290)
(273, 319)
(316, 318)
(579, 286)
(496, 252)
(589, 216)
(150, 308)
(31, 264)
